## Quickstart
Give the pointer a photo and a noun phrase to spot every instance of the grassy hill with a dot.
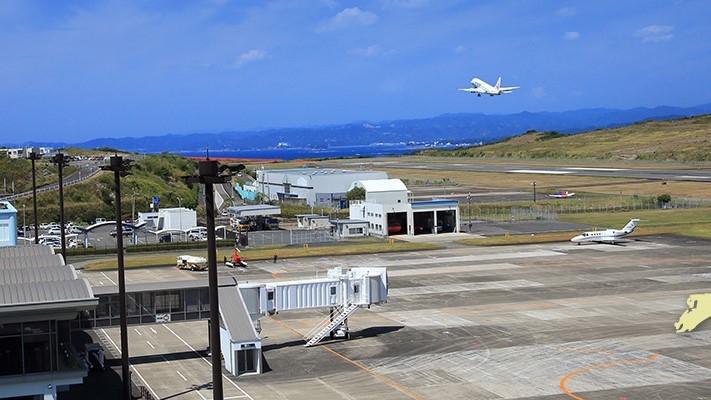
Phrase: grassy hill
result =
(680, 140)
(151, 175)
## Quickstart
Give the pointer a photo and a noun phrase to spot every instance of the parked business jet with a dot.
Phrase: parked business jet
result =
(481, 87)
(611, 236)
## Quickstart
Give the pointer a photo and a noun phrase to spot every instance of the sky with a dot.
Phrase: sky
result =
(77, 70)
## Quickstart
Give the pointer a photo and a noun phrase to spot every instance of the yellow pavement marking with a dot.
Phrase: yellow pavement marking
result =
(610, 364)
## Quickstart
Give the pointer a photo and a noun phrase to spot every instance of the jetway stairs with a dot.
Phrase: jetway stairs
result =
(329, 324)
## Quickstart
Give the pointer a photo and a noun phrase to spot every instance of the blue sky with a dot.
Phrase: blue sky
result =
(78, 70)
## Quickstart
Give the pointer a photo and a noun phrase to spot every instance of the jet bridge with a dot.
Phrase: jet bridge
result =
(344, 291)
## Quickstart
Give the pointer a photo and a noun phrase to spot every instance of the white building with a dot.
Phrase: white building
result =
(8, 224)
(314, 186)
(389, 212)
(24, 152)
(179, 219)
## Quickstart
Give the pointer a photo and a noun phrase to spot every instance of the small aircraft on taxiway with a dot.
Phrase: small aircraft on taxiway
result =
(562, 194)
(610, 236)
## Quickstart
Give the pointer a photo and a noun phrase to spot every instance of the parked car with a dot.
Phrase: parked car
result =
(55, 231)
(126, 231)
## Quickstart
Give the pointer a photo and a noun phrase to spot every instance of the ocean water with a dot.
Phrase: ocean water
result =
(293, 153)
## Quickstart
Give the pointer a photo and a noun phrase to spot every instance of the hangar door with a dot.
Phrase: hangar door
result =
(435, 221)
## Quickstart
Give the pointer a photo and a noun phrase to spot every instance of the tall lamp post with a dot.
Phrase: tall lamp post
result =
(180, 210)
(60, 160)
(34, 156)
(534, 191)
(469, 209)
(120, 168)
(209, 173)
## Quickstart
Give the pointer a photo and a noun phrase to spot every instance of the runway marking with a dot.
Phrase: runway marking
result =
(356, 364)
(610, 364)
(539, 171)
(181, 375)
(225, 377)
(596, 169)
(145, 382)
(109, 279)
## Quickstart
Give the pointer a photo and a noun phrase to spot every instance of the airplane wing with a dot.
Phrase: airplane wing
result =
(508, 89)
(473, 90)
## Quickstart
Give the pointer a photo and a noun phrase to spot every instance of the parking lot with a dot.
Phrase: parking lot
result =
(549, 321)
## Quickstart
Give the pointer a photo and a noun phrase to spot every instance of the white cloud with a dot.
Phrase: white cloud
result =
(370, 51)
(571, 36)
(566, 12)
(656, 33)
(538, 92)
(347, 18)
(250, 56)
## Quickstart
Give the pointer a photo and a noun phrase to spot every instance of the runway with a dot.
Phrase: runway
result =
(550, 321)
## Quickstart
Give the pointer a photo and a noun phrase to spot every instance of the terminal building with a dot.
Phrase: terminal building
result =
(319, 187)
(40, 340)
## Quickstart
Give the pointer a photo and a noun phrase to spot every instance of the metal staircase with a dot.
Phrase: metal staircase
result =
(327, 326)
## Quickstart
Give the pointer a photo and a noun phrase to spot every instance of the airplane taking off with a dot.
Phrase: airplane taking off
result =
(481, 87)
(608, 235)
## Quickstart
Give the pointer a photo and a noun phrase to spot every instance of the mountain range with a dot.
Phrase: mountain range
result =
(460, 129)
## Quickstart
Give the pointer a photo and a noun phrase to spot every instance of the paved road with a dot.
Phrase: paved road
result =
(551, 321)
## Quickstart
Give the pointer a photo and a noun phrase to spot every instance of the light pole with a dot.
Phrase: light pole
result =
(208, 175)
(24, 223)
(180, 216)
(133, 207)
(469, 209)
(534, 191)
(120, 168)
(60, 160)
(34, 156)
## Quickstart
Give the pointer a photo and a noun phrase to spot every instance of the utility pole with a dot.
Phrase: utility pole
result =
(120, 168)
(60, 160)
(34, 156)
(534, 191)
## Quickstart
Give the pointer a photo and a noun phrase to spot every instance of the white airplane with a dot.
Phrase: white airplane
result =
(562, 194)
(481, 87)
(608, 235)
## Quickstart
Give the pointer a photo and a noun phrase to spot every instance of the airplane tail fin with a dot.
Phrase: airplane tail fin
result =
(498, 84)
(629, 228)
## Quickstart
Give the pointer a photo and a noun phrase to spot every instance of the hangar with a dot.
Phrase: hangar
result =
(321, 187)
(389, 210)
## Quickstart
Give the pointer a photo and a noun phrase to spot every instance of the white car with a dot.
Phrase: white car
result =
(55, 231)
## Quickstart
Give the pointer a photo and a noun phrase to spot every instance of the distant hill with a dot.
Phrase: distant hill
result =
(452, 129)
(681, 139)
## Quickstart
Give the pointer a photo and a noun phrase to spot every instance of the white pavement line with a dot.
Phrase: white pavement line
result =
(106, 276)
(149, 343)
(154, 331)
(181, 375)
(145, 383)
(208, 362)
(138, 332)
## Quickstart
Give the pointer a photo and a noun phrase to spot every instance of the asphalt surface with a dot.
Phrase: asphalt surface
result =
(549, 321)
